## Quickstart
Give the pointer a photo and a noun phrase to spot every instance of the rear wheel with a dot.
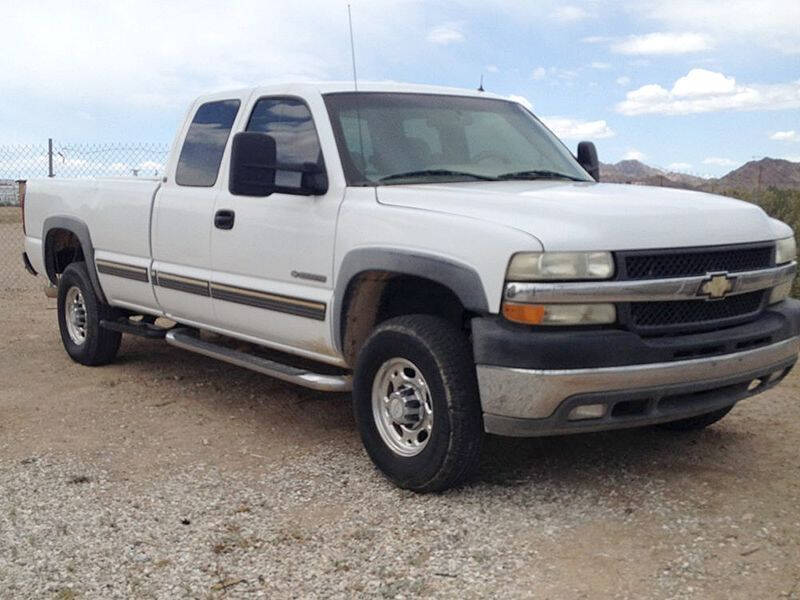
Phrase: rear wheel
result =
(698, 422)
(79, 316)
(416, 403)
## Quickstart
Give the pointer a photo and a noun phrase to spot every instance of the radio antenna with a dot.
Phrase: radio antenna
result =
(352, 47)
(355, 85)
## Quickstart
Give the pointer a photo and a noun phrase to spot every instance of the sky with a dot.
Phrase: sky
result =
(687, 85)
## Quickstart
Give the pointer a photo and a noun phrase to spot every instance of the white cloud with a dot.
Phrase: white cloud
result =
(634, 154)
(576, 129)
(771, 23)
(522, 100)
(567, 128)
(785, 136)
(706, 91)
(663, 43)
(679, 167)
(566, 74)
(568, 14)
(793, 158)
(90, 53)
(700, 82)
(600, 65)
(555, 73)
(623, 80)
(447, 33)
(719, 162)
(492, 68)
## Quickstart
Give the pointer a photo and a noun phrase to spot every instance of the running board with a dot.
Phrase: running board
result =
(186, 339)
(140, 328)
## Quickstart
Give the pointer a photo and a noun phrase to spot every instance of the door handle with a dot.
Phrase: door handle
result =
(224, 219)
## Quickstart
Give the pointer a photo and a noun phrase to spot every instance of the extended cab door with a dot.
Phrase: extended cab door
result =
(183, 214)
(273, 263)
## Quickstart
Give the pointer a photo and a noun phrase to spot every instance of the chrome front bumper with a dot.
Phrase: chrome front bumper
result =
(528, 402)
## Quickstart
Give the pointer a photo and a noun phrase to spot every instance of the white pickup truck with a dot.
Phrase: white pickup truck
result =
(438, 252)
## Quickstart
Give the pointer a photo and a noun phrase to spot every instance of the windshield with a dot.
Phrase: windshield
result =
(399, 138)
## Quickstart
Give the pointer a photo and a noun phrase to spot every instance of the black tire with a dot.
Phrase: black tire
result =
(100, 345)
(443, 356)
(698, 422)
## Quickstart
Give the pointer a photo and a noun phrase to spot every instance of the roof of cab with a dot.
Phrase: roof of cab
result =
(328, 87)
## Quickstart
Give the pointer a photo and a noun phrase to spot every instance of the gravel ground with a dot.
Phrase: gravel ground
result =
(168, 475)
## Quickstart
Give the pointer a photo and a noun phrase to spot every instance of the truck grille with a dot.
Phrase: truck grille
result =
(686, 263)
(695, 314)
(686, 316)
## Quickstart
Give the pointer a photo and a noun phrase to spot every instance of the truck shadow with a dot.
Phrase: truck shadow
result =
(624, 454)
(316, 419)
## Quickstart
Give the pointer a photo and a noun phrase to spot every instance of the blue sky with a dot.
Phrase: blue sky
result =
(695, 86)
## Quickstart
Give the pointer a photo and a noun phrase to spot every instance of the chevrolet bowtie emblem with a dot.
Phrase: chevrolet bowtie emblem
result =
(717, 286)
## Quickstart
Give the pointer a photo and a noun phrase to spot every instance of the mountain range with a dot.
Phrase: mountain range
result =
(754, 175)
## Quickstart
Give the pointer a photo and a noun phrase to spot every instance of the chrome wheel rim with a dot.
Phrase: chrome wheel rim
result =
(402, 407)
(75, 315)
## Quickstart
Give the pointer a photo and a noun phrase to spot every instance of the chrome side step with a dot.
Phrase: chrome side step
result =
(186, 339)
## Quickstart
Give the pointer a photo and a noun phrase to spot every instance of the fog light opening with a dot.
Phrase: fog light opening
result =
(754, 385)
(587, 411)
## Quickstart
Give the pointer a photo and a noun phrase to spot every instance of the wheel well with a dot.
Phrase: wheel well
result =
(62, 247)
(376, 296)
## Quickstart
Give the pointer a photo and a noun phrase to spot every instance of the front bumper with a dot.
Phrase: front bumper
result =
(536, 396)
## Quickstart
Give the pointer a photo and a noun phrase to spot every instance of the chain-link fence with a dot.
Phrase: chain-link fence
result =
(52, 159)
(80, 161)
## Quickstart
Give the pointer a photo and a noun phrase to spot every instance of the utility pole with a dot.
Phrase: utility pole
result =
(50, 157)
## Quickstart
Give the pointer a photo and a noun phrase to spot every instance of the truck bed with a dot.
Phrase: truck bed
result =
(115, 210)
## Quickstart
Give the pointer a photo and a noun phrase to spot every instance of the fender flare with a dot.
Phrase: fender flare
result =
(462, 280)
(81, 231)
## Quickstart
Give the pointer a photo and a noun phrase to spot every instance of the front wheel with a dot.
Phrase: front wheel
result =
(79, 314)
(415, 398)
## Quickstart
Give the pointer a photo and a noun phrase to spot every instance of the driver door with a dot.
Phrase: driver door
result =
(272, 267)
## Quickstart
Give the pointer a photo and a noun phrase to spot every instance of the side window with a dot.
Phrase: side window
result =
(289, 121)
(201, 155)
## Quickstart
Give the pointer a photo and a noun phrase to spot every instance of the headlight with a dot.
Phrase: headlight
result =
(560, 314)
(549, 266)
(787, 251)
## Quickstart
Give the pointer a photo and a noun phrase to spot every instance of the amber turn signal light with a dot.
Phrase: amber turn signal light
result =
(532, 314)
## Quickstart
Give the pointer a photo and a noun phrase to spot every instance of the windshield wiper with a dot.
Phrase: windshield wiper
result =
(436, 173)
(538, 174)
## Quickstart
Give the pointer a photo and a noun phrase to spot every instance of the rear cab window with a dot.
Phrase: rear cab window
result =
(204, 145)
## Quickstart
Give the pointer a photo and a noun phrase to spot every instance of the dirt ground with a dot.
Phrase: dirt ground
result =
(170, 475)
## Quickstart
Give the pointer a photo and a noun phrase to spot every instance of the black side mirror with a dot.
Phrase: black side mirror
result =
(252, 164)
(587, 158)
(256, 172)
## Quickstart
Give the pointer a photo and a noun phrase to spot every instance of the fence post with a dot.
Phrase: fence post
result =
(50, 157)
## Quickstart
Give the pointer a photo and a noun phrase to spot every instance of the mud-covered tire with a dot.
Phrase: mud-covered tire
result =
(443, 357)
(698, 422)
(99, 346)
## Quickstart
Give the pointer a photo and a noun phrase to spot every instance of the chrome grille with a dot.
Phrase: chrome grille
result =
(686, 316)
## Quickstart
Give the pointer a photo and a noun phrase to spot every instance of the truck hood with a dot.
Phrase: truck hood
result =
(576, 216)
